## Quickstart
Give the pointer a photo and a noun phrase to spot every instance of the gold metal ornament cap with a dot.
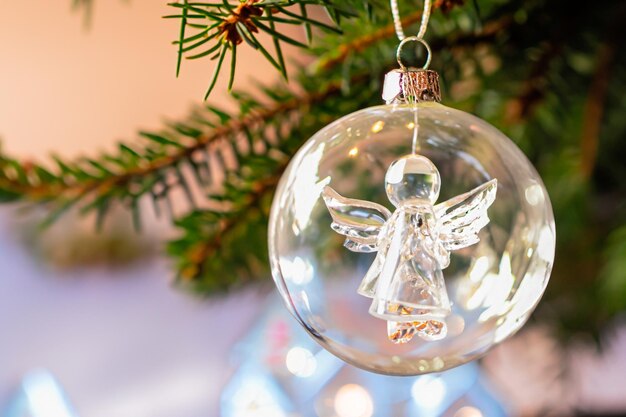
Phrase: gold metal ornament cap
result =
(410, 85)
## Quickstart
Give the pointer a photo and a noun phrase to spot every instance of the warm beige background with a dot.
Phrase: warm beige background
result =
(73, 90)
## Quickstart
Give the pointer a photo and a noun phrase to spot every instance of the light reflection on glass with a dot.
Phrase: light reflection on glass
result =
(534, 194)
(502, 283)
(307, 188)
(479, 269)
(546, 245)
(378, 126)
(298, 271)
(493, 289)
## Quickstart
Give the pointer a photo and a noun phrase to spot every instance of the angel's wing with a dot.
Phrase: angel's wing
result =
(460, 219)
(360, 221)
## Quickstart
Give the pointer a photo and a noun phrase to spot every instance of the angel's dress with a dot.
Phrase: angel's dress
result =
(406, 280)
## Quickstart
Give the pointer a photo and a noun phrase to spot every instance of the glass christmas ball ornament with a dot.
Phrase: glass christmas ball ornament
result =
(410, 237)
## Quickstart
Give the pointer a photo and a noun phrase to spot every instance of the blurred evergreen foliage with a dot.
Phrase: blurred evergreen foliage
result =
(550, 73)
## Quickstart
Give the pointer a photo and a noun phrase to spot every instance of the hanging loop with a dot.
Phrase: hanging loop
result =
(413, 39)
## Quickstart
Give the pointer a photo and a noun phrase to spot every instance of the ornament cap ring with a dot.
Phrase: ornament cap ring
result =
(413, 39)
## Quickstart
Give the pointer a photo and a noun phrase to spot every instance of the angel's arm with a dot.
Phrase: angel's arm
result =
(360, 221)
(462, 217)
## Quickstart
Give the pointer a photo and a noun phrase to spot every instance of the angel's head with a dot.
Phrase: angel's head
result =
(412, 177)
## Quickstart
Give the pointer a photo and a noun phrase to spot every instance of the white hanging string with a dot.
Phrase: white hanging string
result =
(397, 22)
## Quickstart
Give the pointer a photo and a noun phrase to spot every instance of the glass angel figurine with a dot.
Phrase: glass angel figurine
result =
(405, 281)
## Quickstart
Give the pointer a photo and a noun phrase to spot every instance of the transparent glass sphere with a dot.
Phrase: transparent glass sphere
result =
(492, 286)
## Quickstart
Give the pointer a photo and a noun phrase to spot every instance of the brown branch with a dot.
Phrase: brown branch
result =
(365, 41)
(598, 91)
(488, 32)
(534, 88)
(594, 108)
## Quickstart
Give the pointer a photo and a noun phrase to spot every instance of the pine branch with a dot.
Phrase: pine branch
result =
(217, 244)
(227, 246)
(133, 172)
(216, 29)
